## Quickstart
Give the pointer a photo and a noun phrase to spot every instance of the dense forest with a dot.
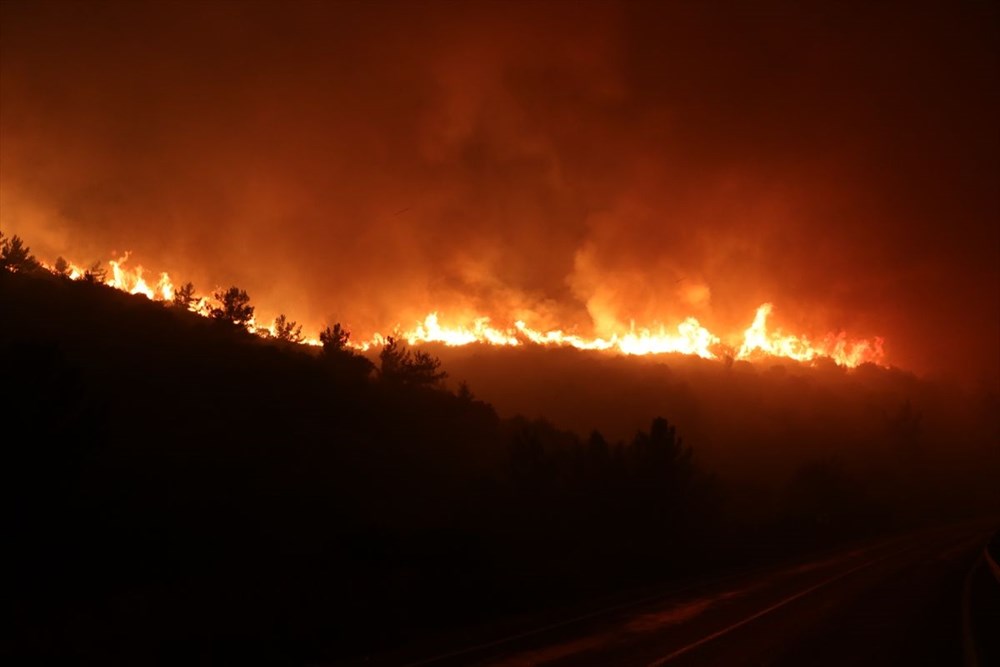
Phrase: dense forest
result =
(180, 489)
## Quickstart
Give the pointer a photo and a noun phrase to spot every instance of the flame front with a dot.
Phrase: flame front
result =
(689, 337)
(133, 282)
(758, 341)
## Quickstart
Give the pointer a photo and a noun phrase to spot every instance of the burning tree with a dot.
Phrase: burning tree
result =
(234, 307)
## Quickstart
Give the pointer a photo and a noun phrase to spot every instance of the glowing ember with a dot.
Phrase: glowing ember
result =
(689, 337)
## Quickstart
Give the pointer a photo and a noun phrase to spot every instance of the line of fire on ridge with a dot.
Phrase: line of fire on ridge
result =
(689, 337)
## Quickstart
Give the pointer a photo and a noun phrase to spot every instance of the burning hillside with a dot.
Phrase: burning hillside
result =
(759, 341)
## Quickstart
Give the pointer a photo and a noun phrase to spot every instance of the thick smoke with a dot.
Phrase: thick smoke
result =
(568, 164)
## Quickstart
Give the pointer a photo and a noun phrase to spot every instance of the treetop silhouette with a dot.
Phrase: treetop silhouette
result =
(184, 296)
(287, 330)
(334, 339)
(398, 364)
(234, 307)
(15, 256)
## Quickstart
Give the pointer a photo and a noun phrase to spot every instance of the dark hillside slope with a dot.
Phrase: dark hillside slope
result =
(177, 489)
(174, 477)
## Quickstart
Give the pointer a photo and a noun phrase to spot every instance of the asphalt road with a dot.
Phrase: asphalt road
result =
(923, 598)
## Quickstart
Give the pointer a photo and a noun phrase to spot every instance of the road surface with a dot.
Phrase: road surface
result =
(923, 598)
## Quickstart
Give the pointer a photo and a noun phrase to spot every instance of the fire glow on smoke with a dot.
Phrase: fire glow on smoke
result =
(688, 337)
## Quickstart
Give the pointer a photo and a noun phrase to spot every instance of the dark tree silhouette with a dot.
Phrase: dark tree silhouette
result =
(391, 360)
(15, 256)
(667, 449)
(335, 339)
(598, 451)
(287, 330)
(96, 273)
(184, 296)
(464, 393)
(62, 266)
(397, 364)
(423, 368)
(341, 359)
(234, 307)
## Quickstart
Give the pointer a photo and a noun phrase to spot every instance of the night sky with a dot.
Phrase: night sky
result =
(572, 164)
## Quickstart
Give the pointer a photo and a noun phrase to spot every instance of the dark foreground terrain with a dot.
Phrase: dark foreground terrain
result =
(178, 491)
(918, 598)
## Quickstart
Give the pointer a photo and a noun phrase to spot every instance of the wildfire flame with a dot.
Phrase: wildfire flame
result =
(689, 337)
(133, 282)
